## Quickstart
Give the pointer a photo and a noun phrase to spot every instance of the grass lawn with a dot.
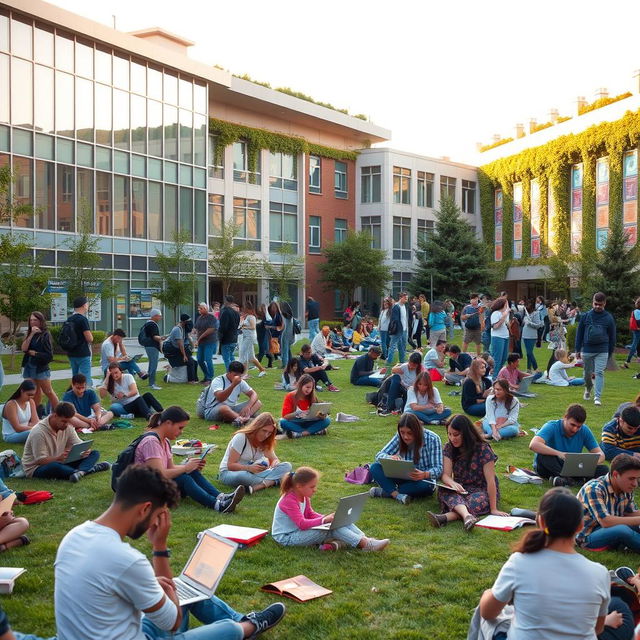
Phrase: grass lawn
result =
(425, 584)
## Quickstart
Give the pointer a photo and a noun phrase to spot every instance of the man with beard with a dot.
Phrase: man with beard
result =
(103, 586)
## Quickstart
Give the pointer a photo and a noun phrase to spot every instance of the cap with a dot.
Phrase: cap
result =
(184, 317)
(155, 312)
(80, 301)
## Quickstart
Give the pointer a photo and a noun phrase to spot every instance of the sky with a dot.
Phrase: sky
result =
(441, 76)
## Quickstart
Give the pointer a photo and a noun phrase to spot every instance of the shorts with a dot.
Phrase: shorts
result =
(29, 372)
(472, 335)
(214, 413)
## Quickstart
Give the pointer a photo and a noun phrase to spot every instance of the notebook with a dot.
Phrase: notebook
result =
(242, 535)
(579, 465)
(205, 568)
(503, 523)
(317, 408)
(299, 588)
(77, 450)
(348, 512)
(8, 577)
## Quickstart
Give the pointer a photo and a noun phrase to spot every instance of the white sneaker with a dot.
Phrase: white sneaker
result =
(597, 402)
(375, 545)
(587, 394)
(155, 387)
(262, 373)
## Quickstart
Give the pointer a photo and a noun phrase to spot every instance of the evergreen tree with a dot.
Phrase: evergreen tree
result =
(454, 256)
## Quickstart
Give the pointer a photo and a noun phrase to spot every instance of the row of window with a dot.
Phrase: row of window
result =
(340, 230)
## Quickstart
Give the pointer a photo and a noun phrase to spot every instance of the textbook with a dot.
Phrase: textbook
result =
(8, 576)
(299, 588)
(523, 476)
(503, 523)
(247, 536)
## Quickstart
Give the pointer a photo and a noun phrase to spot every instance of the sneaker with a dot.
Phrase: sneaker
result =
(558, 481)
(77, 476)
(100, 466)
(248, 490)
(437, 520)
(319, 387)
(262, 373)
(332, 545)
(226, 502)
(155, 387)
(587, 394)
(377, 492)
(128, 416)
(322, 432)
(238, 422)
(267, 618)
(403, 498)
(333, 388)
(597, 402)
(383, 413)
(143, 376)
(373, 544)
(624, 573)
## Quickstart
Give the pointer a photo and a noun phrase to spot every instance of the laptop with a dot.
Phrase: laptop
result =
(318, 407)
(348, 512)
(523, 391)
(580, 465)
(77, 450)
(205, 568)
(397, 468)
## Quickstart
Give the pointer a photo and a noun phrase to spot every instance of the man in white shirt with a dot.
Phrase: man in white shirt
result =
(223, 393)
(434, 359)
(321, 344)
(103, 585)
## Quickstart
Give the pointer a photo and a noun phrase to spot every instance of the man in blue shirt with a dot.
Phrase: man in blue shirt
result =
(459, 364)
(570, 434)
(363, 368)
(89, 413)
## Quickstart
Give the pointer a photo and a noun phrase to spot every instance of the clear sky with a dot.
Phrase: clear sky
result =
(441, 75)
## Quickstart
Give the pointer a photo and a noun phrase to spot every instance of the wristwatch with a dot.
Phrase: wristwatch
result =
(162, 554)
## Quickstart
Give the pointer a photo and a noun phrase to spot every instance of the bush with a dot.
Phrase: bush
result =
(572, 329)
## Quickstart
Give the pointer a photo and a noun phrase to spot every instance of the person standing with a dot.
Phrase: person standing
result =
(634, 321)
(80, 354)
(206, 327)
(228, 330)
(383, 325)
(425, 308)
(152, 344)
(38, 353)
(246, 353)
(398, 329)
(312, 314)
(499, 332)
(595, 340)
(471, 320)
(287, 337)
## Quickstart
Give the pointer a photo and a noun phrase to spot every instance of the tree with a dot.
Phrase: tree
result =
(557, 279)
(177, 280)
(354, 263)
(10, 206)
(453, 255)
(232, 260)
(285, 272)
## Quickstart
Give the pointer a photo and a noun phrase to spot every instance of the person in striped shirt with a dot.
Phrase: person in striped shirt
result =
(622, 434)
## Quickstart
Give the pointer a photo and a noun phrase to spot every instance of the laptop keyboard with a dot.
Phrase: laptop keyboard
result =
(185, 592)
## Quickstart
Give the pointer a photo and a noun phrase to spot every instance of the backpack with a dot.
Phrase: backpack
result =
(11, 464)
(633, 323)
(169, 349)
(68, 338)
(201, 403)
(595, 334)
(297, 327)
(126, 457)
(143, 339)
(473, 322)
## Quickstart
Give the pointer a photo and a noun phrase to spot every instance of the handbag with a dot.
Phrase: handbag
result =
(274, 346)
(359, 475)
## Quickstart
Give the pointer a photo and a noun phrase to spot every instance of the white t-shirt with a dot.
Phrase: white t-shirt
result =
(319, 344)
(124, 384)
(556, 596)
(102, 585)
(407, 376)
(416, 398)
(503, 330)
(432, 359)
(403, 316)
(248, 453)
(218, 384)
(107, 350)
(558, 373)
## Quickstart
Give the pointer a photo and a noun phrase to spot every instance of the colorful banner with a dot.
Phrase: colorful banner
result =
(59, 304)
(497, 213)
(630, 197)
(141, 301)
(517, 220)
(602, 202)
(576, 207)
(535, 218)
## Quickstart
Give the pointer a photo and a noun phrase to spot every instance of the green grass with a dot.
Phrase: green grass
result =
(59, 361)
(375, 595)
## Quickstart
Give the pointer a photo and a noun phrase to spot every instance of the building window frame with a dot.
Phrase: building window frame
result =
(241, 171)
(425, 182)
(315, 174)
(371, 184)
(468, 196)
(279, 176)
(247, 208)
(448, 187)
(341, 180)
(284, 213)
(373, 225)
(340, 230)
(401, 185)
(401, 238)
(315, 234)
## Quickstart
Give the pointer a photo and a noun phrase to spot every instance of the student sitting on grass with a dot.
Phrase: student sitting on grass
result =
(469, 466)
(475, 389)
(316, 367)
(503, 409)
(434, 358)
(512, 374)
(423, 401)
(155, 451)
(295, 408)
(250, 459)
(459, 364)
(403, 376)
(126, 401)
(291, 374)
(294, 518)
(89, 413)
(420, 446)
(622, 434)
(363, 368)
(12, 529)
(19, 414)
(558, 371)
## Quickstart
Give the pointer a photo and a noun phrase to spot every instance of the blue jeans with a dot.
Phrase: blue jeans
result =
(314, 328)
(19, 437)
(384, 343)
(227, 353)
(620, 535)
(486, 340)
(428, 416)
(154, 355)
(236, 478)
(368, 381)
(529, 345)
(597, 362)
(128, 366)
(298, 426)
(195, 486)
(397, 341)
(62, 471)
(478, 409)
(82, 365)
(576, 382)
(219, 619)
(395, 391)
(205, 359)
(510, 431)
(448, 323)
(350, 535)
(285, 350)
(414, 488)
(634, 346)
(499, 353)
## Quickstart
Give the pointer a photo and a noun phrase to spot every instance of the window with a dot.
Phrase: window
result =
(246, 217)
(315, 174)
(426, 228)
(401, 238)
(401, 185)
(425, 189)
(447, 187)
(340, 230)
(370, 184)
(283, 171)
(314, 234)
(341, 179)
(216, 214)
(216, 170)
(468, 196)
(283, 226)
(373, 226)
(241, 171)
(401, 280)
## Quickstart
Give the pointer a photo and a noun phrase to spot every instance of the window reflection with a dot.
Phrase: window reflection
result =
(44, 99)
(170, 132)
(84, 109)
(21, 36)
(44, 206)
(64, 52)
(154, 111)
(120, 72)
(43, 46)
(103, 66)
(120, 119)
(200, 140)
(103, 201)
(66, 197)
(138, 124)
(103, 114)
(186, 212)
(154, 83)
(186, 133)
(4, 88)
(138, 202)
(138, 78)
(200, 216)
(120, 206)
(21, 93)
(170, 88)
(64, 104)
(84, 60)
(200, 98)
(23, 172)
(4, 32)
(170, 211)
(186, 93)
(154, 215)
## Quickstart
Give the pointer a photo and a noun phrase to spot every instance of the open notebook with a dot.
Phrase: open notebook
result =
(299, 588)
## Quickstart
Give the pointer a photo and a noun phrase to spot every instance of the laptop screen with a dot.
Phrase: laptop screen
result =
(209, 561)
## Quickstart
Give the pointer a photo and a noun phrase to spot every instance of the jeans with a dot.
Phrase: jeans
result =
(428, 416)
(205, 359)
(227, 353)
(510, 431)
(547, 466)
(1, 375)
(632, 350)
(529, 344)
(437, 334)
(499, 353)
(454, 378)
(62, 471)
(82, 365)
(285, 349)
(236, 478)
(396, 390)
(478, 409)
(368, 381)
(220, 622)
(195, 486)
(154, 355)
(130, 366)
(597, 361)
(19, 437)
(141, 407)
(351, 535)
(414, 488)
(314, 328)
(576, 382)
(620, 535)
(397, 341)
(486, 340)
(625, 630)
(384, 343)
(298, 426)
(448, 323)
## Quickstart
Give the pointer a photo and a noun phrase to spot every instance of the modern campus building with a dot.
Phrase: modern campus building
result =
(128, 131)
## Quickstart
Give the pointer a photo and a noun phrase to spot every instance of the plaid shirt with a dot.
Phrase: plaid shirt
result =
(599, 501)
(430, 458)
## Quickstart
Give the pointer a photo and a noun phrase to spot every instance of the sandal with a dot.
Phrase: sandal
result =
(469, 522)
(437, 520)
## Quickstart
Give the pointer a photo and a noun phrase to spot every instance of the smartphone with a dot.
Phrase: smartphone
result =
(205, 451)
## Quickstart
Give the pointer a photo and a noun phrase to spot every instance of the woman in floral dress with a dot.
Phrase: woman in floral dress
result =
(469, 469)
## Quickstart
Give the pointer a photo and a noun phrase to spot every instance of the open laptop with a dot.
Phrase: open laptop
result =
(523, 391)
(318, 407)
(77, 450)
(348, 512)
(580, 465)
(397, 468)
(205, 568)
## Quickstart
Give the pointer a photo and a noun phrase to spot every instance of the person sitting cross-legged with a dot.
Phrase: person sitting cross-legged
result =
(622, 434)
(512, 374)
(89, 412)
(423, 401)
(459, 364)
(316, 367)
(503, 409)
(403, 376)
(434, 358)
(295, 410)
(363, 368)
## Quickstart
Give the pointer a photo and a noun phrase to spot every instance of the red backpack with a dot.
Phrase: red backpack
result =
(633, 323)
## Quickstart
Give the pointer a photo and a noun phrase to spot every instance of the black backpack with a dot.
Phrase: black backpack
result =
(143, 339)
(68, 338)
(126, 458)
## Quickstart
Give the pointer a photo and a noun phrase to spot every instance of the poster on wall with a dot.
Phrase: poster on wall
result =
(141, 301)
(94, 296)
(57, 290)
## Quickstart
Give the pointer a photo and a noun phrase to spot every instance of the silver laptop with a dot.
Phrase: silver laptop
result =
(348, 512)
(397, 468)
(523, 391)
(205, 568)
(318, 407)
(580, 465)
(76, 451)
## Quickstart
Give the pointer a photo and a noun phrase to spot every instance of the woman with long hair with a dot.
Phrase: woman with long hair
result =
(125, 398)
(275, 324)
(295, 409)
(635, 333)
(499, 332)
(503, 409)
(423, 400)
(246, 353)
(418, 445)
(19, 414)
(470, 471)
(291, 375)
(250, 458)
(476, 388)
(264, 335)
(532, 323)
(38, 353)
(287, 337)
(383, 325)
